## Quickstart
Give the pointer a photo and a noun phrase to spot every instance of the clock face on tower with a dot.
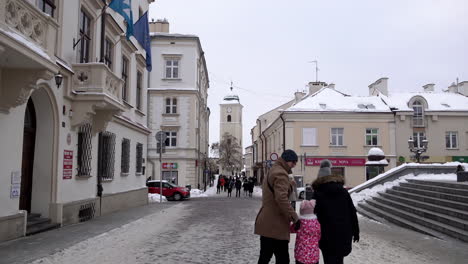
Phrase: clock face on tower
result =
(229, 109)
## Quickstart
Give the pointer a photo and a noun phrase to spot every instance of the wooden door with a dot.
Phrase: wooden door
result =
(29, 140)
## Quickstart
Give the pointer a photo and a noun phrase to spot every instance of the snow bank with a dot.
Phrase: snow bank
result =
(194, 193)
(155, 198)
(374, 191)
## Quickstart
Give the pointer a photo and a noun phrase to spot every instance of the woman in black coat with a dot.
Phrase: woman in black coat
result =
(337, 215)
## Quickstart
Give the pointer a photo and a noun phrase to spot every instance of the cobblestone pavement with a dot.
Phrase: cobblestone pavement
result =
(207, 230)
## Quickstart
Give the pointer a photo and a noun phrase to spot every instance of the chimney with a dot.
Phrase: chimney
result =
(298, 97)
(453, 88)
(331, 86)
(316, 86)
(160, 26)
(429, 87)
(381, 85)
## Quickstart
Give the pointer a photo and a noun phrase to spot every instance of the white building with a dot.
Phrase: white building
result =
(59, 141)
(178, 97)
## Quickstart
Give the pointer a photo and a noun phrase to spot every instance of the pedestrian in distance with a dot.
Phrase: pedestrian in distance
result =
(251, 188)
(238, 187)
(306, 249)
(231, 184)
(245, 186)
(336, 214)
(276, 214)
(223, 182)
(218, 185)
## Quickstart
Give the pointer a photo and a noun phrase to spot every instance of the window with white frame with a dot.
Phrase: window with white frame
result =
(451, 139)
(108, 47)
(47, 6)
(337, 136)
(372, 136)
(171, 105)
(309, 136)
(418, 138)
(418, 114)
(171, 139)
(172, 68)
(84, 45)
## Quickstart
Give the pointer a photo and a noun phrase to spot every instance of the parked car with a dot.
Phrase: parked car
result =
(169, 190)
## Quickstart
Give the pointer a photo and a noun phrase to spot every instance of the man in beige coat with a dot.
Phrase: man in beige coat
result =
(276, 214)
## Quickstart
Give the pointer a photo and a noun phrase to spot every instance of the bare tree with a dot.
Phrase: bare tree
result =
(229, 153)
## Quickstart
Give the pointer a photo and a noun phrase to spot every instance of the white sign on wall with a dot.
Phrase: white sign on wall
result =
(15, 177)
(15, 190)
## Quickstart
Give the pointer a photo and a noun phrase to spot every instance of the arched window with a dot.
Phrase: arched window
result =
(229, 118)
(418, 114)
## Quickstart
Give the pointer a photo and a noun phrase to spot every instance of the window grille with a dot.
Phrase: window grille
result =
(139, 158)
(84, 150)
(106, 153)
(86, 212)
(125, 163)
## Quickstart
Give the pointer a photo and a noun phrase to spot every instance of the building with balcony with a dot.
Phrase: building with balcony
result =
(178, 95)
(72, 112)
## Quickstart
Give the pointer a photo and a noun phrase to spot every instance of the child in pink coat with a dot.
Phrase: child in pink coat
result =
(306, 250)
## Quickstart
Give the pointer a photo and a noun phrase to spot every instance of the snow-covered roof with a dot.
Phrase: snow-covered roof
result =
(173, 35)
(330, 100)
(436, 101)
(230, 99)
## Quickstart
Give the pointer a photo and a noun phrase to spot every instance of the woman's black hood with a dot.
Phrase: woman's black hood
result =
(331, 183)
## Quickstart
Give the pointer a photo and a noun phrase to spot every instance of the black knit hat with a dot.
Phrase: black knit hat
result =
(289, 155)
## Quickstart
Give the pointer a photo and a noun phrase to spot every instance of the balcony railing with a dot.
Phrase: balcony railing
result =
(26, 21)
(96, 78)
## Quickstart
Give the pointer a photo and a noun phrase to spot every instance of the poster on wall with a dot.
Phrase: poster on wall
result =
(67, 164)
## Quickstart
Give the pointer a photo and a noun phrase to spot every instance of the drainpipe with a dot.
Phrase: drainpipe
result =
(284, 132)
(103, 29)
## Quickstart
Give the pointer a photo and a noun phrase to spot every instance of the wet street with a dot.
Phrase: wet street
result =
(206, 230)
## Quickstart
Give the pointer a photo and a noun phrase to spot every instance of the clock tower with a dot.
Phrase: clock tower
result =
(231, 117)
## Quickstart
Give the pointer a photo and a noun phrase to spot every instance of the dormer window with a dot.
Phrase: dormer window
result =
(418, 114)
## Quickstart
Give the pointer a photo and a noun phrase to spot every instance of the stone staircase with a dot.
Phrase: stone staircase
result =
(434, 208)
(37, 224)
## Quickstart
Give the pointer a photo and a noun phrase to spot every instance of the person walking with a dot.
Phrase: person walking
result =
(230, 184)
(306, 249)
(336, 214)
(238, 187)
(276, 214)
(222, 182)
(218, 185)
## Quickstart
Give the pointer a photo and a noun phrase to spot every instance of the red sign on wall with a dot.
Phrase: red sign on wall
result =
(168, 166)
(337, 162)
(67, 164)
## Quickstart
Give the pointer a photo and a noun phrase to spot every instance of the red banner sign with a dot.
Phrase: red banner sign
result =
(168, 166)
(336, 162)
(67, 164)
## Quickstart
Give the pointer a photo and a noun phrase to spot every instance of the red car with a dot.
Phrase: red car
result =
(169, 190)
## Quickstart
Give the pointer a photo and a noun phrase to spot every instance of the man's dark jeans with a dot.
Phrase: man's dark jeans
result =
(270, 246)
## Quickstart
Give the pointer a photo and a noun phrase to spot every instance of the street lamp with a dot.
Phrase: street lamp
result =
(418, 150)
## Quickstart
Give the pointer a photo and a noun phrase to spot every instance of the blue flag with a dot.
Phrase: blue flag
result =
(124, 8)
(142, 35)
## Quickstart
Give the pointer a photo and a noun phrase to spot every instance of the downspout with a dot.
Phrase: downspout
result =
(103, 30)
(284, 132)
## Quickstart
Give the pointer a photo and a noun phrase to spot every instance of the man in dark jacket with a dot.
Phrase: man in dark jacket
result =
(276, 214)
(337, 215)
(238, 187)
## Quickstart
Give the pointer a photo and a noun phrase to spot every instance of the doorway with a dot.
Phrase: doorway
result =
(29, 140)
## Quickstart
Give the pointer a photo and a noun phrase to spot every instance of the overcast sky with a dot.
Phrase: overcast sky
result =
(264, 46)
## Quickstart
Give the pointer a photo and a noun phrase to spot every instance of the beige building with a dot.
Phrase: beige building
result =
(343, 128)
(248, 161)
(178, 97)
(72, 112)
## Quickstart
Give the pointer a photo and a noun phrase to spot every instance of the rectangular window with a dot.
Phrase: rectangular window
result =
(372, 136)
(171, 140)
(47, 6)
(108, 53)
(84, 149)
(337, 136)
(124, 78)
(418, 137)
(172, 68)
(106, 152)
(138, 90)
(139, 158)
(451, 140)
(84, 38)
(125, 159)
(309, 136)
(171, 105)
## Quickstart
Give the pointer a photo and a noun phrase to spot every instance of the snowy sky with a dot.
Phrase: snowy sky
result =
(264, 46)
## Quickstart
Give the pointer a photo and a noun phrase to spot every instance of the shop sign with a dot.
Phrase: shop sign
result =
(67, 164)
(168, 166)
(463, 159)
(15, 190)
(336, 162)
